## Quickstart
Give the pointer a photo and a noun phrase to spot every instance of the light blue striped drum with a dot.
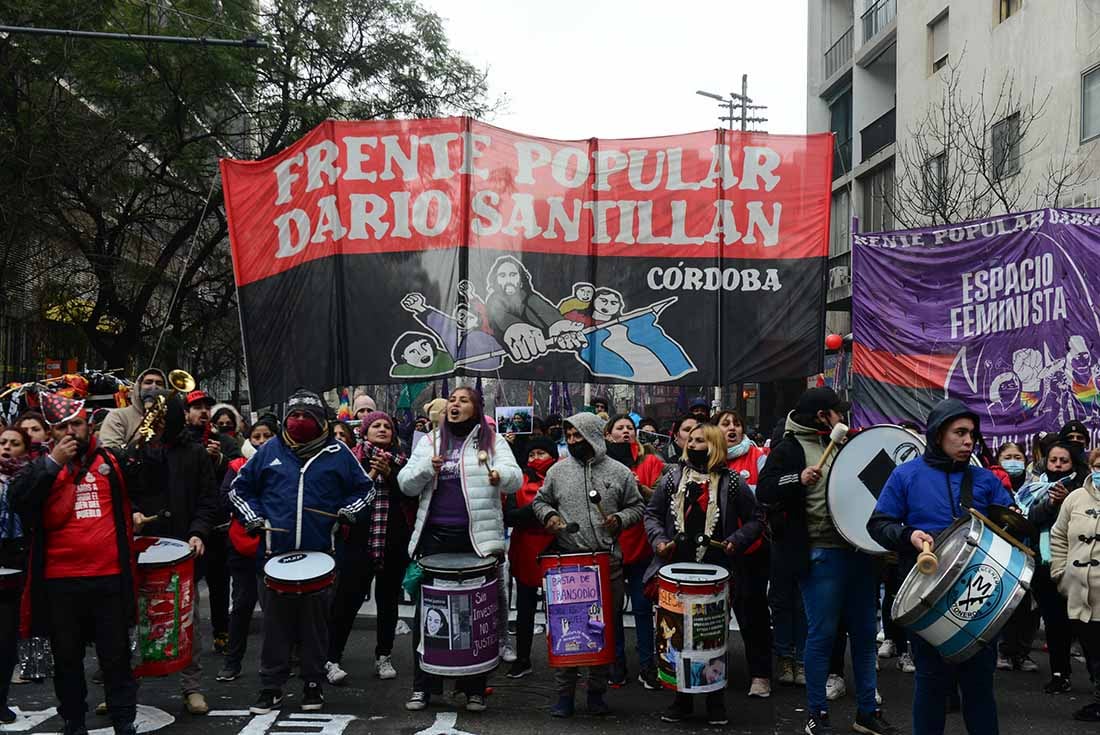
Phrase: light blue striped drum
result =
(962, 606)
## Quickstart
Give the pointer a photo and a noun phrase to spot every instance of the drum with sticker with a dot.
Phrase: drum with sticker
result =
(299, 572)
(983, 575)
(166, 600)
(459, 602)
(692, 623)
(580, 628)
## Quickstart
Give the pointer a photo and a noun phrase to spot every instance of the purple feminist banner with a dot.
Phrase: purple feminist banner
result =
(574, 610)
(1003, 314)
(459, 628)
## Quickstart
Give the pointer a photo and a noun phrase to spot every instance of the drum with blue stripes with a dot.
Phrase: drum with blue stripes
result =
(961, 607)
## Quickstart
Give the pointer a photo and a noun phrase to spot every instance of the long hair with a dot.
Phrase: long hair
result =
(716, 447)
(486, 436)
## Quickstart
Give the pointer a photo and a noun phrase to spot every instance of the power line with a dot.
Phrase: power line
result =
(211, 21)
(103, 36)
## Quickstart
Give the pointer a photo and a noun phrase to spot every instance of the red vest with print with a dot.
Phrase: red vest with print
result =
(80, 523)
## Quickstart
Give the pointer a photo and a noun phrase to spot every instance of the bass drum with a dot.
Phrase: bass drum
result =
(858, 475)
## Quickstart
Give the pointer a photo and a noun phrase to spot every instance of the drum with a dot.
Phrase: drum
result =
(458, 615)
(580, 618)
(299, 572)
(165, 598)
(691, 628)
(10, 579)
(858, 474)
(960, 608)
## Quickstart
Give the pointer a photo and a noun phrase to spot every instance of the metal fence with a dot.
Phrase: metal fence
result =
(877, 16)
(839, 53)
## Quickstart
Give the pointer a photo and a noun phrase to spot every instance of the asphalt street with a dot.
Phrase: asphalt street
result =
(367, 705)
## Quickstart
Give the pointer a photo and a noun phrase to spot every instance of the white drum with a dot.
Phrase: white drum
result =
(299, 572)
(163, 552)
(858, 475)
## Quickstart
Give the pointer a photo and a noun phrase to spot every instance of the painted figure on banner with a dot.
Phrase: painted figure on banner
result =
(1040, 385)
(463, 333)
(419, 355)
(529, 324)
(577, 303)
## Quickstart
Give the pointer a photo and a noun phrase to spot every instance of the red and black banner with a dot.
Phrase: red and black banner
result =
(373, 252)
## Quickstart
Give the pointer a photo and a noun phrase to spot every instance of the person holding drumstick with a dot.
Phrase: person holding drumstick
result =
(14, 443)
(911, 510)
(700, 496)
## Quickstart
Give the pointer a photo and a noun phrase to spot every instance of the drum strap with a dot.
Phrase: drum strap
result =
(966, 490)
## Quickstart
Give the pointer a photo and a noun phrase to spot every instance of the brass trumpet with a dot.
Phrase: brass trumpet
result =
(156, 409)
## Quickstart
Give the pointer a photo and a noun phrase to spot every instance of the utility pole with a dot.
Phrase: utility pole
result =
(738, 107)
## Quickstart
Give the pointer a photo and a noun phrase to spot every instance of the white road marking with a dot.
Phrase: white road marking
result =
(28, 720)
(444, 725)
(148, 719)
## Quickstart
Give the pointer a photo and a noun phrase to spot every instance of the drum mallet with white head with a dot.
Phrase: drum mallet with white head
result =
(594, 498)
(836, 438)
(927, 563)
(704, 540)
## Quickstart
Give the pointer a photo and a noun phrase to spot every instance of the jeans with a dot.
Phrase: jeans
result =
(9, 640)
(642, 609)
(527, 602)
(935, 680)
(191, 675)
(788, 615)
(840, 585)
(242, 571)
(565, 677)
(82, 609)
(1052, 606)
(357, 572)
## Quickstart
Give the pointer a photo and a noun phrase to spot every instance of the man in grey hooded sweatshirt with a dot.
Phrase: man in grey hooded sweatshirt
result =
(563, 499)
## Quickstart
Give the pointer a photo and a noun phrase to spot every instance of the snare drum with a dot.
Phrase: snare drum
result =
(458, 615)
(580, 628)
(692, 625)
(299, 572)
(166, 599)
(10, 579)
(959, 609)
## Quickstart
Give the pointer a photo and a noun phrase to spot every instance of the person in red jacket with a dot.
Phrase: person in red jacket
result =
(623, 446)
(750, 601)
(529, 539)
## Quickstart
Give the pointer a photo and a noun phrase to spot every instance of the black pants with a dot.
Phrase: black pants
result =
(1019, 632)
(9, 640)
(434, 540)
(216, 571)
(242, 571)
(892, 580)
(1089, 635)
(356, 572)
(90, 609)
(1052, 606)
(527, 602)
(289, 620)
(750, 604)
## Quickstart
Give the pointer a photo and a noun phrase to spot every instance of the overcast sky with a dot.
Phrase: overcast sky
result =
(629, 68)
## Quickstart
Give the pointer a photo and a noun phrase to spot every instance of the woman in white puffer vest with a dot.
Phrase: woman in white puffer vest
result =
(1075, 566)
(460, 510)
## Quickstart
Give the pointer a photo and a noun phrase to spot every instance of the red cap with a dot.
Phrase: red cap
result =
(197, 396)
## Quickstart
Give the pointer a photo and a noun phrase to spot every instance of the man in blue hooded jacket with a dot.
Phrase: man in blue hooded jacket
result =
(921, 499)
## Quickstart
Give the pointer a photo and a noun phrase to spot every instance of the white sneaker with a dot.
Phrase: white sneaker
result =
(878, 698)
(1004, 663)
(905, 664)
(384, 668)
(760, 687)
(507, 653)
(835, 688)
(888, 649)
(334, 673)
(881, 636)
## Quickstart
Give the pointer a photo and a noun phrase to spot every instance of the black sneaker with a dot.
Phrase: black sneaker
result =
(648, 679)
(312, 697)
(71, 727)
(873, 723)
(268, 700)
(1088, 713)
(1058, 684)
(679, 710)
(818, 724)
(716, 712)
(7, 716)
(520, 668)
(129, 729)
(229, 672)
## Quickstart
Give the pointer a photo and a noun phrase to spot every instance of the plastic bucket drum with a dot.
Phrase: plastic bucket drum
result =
(580, 628)
(980, 581)
(299, 572)
(691, 627)
(165, 598)
(458, 615)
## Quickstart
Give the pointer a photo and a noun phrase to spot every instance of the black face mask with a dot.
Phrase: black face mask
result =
(581, 451)
(698, 458)
(554, 433)
(621, 452)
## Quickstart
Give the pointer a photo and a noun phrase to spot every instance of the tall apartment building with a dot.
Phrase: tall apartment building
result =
(878, 67)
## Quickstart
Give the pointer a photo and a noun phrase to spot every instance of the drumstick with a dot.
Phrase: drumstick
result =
(703, 540)
(324, 513)
(676, 540)
(570, 528)
(836, 438)
(927, 562)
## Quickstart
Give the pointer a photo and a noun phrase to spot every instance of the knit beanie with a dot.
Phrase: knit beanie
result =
(544, 443)
(373, 416)
(308, 402)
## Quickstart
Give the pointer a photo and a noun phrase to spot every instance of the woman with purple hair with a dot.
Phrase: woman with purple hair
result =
(458, 472)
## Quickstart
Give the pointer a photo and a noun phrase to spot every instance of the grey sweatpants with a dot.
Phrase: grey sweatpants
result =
(566, 677)
(290, 619)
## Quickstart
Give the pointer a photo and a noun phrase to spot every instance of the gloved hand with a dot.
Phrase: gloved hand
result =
(256, 526)
(346, 517)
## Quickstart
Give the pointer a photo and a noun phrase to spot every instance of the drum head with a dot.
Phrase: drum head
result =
(164, 551)
(688, 573)
(953, 548)
(299, 566)
(858, 475)
(457, 564)
(9, 572)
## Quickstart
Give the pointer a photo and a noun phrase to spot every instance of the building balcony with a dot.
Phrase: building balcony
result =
(839, 294)
(880, 32)
(879, 134)
(842, 158)
(840, 53)
(878, 16)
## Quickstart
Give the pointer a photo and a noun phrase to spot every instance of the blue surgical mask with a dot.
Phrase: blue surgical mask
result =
(1096, 478)
(1014, 467)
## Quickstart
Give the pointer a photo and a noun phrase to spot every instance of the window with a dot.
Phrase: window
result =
(878, 192)
(840, 123)
(935, 183)
(1005, 139)
(840, 223)
(1007, 8)
(1090, 104)
(938, 43)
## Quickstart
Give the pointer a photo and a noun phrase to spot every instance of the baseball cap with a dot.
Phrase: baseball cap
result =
(198, 396)
(820, 399)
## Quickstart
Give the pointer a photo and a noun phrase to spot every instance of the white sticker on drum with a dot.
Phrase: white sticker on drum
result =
(976, 594)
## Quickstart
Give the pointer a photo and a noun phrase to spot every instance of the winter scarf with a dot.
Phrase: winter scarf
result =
(739, 450)
(380, 511)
